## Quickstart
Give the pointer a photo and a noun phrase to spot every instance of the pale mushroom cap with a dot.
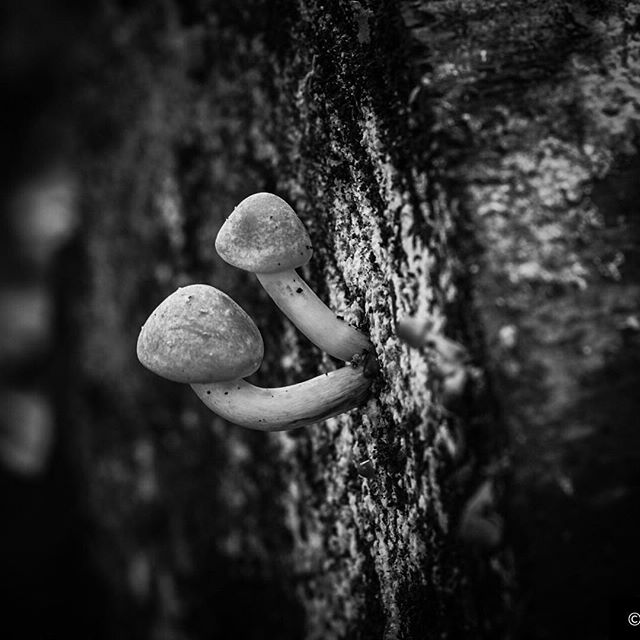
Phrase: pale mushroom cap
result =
(263, 234)
(199, 334)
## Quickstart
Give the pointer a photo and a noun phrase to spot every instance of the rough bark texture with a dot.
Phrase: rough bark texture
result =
(549, 187)
(473, 163)
(309, 102)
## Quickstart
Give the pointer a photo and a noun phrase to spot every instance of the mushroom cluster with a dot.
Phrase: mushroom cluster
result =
(200, 336)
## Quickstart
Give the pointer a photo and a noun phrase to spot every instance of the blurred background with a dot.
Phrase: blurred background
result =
(50, 584)
(109, 112)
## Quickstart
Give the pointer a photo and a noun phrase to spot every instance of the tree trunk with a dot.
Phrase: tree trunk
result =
(468, 164)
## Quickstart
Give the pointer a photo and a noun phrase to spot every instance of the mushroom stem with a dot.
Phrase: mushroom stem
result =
(284, 408)
(312, 316)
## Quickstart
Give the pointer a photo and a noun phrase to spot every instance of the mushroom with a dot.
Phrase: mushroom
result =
(452, 359)
(200, 336)
(418, 333)
(264, 235)
(481, 525)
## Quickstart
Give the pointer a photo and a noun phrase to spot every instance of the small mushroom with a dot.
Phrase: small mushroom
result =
(451, 362)
(264, 235)
(200, 336)
(418, 333)
(480, 524)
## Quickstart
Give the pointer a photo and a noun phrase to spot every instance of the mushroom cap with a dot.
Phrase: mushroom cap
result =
(199, 334)
(263, 234)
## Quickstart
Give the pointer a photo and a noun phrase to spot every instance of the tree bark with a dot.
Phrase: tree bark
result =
(469, 164)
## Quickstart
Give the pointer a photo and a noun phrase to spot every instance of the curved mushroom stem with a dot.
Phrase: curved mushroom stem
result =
(312, 316)
(283, 408)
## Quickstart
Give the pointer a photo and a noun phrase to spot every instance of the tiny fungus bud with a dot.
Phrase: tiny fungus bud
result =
(264, 235)
(480, 525)
(454, 385)
(200, 336)
(413, 331)
(419, 333)
(451, 363)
